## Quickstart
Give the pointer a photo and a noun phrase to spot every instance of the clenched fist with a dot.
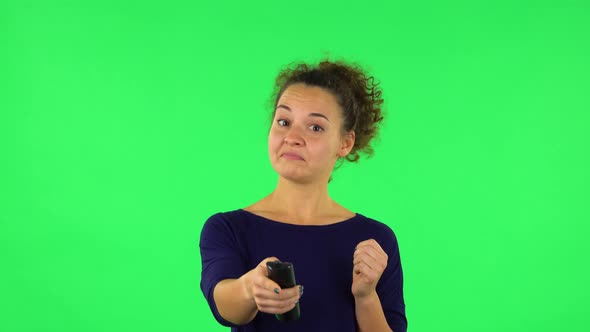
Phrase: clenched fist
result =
(369, 262)
(268, 296)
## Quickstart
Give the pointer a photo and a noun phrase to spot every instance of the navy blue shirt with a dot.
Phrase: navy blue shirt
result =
(232, 243)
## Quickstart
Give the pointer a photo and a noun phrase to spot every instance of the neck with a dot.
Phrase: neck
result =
(302, 202)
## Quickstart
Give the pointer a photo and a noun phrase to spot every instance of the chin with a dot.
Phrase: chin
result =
(294, 174)
(297, 179)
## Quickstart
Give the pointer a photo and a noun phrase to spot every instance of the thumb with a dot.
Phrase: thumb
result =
(262, 265)
(268, 283)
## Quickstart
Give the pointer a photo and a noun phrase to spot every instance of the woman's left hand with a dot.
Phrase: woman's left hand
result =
(369, 263)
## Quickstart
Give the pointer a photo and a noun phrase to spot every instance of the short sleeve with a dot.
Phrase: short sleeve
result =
(390, 287)
(222, 258)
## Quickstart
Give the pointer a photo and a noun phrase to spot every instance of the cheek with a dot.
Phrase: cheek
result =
(274, 141)
(330, 149)
(322, 149)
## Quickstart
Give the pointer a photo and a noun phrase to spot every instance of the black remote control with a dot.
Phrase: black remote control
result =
(283, 274)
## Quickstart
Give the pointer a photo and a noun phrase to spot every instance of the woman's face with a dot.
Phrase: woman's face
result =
(305, 138)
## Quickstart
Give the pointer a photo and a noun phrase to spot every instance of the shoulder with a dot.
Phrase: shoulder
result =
(223, 222)
(224, 217)
(378, 230)
(236, 221)
(374, 224)
(230, 228)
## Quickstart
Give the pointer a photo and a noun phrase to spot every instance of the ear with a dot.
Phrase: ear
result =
(347, 144)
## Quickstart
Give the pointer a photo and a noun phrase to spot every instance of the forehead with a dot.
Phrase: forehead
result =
(310, 99)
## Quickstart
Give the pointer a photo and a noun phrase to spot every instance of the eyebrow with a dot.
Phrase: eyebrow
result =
(310, 114)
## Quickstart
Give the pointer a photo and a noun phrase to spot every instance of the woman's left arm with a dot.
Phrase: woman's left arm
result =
(369, 314)
(369, 263)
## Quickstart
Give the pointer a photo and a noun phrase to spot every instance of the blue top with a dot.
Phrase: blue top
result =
(232, 243)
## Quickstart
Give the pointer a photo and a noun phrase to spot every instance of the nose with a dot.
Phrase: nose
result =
(293, 137)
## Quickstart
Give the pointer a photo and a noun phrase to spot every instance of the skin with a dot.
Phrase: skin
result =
(308, 122)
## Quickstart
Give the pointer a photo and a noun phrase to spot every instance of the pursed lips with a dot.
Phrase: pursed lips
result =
(292, 156)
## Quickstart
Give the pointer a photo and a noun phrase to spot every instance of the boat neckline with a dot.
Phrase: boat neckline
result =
(345, 221)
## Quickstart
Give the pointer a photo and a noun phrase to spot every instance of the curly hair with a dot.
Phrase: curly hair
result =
(357, 94)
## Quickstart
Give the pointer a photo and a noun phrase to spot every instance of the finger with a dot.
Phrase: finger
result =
(271, 286)
(263, 294)
(288, 308)
(366, 242)
(279, 300)
(356, 268)
(274, 304)
(371, 252)
(291, 292)
(266, 288)
(286, 293)
(366, 272)
(265, 282)
(362, 272)
(266, 260)
(364, 257)
(262, 282)
(371, 243)
(378, 265)
(274, 307)
(374, 251)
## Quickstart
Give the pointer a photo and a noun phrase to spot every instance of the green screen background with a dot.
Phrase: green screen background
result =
(125, 125)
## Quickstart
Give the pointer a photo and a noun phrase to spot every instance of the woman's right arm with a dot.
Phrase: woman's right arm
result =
(239, 300)
(233, 302)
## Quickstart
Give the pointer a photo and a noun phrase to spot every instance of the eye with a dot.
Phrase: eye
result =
(282, 122)
(316, 128)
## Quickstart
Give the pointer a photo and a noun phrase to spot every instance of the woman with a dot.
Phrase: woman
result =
(349, 264)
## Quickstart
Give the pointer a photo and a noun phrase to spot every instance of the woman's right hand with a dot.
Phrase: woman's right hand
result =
(267, 294)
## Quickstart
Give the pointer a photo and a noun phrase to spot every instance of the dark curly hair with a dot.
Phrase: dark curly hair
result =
(356, 92)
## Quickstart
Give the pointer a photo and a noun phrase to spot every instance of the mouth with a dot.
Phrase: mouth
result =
(291, 156)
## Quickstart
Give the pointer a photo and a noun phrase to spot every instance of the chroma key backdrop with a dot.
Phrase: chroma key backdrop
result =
(124, 125)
